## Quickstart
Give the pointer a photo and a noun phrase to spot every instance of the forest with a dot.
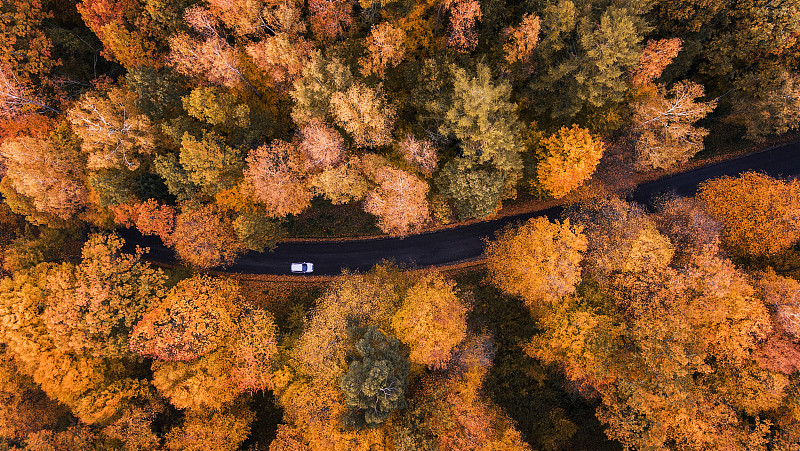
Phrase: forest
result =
(227, 126)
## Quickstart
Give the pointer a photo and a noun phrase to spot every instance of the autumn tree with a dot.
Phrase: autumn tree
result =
(621, 238)
(385, 49)
(322, 349)
(190, 321)
(782, 294)
(522, 40)
(365, 114)
(282, 56)
(451, 411)
(539, 261)
(222, 430)
(656, 55)
(114, 133)
(204, 238)
(476, 191)
(245, 17)
(566, 159)
(464, 15)
(95, 389)
(275, 176)
(432, 320)
(399, 201)
(47, 171)
(375, 382)
(17, 98)
(255, 349)
(211, 56)
(759, 213)
(216, 106)
(671, 352)
(94, 305)
(688, 226)
(199, 384)
(128, 32)
(322, 77)
(322, 145)
(330, 19)
(420, 153)
(25, 45)
(25, 408)
(154, 218)
(778, 108)
(665, 121)
(342, 183)
(209, 163)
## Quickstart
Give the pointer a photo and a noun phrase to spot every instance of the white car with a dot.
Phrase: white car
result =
(303, 268)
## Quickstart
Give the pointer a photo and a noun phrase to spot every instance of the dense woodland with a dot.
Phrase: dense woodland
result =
(223, 126)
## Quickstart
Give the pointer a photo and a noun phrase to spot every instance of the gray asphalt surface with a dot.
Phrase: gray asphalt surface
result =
(465, 242)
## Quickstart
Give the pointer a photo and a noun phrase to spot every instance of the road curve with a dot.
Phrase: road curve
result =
(464, 242)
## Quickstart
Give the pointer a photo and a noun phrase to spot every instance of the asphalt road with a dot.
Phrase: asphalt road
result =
(464, 242)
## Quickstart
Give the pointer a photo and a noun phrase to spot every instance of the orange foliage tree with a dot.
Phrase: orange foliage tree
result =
(385, 49)
(330, 19)
(95, 389)
(192, 320)
(282, 56)
(656, 56)
(566, 160)
(464, 15)
(322, 145)
(125, 28)
(669, 352)
(621, 238)
(539, 261)
(399, 201)
(342, 183)
(255, 348)
(522, 40)
(455, 413)
(759, 213)
(48, 171)
(112, 129)
(204, 238)
(94, 305)
(24, 43)
(432, 320)
(220, 430)
(275, 176)
(210, 57)
(154, 218)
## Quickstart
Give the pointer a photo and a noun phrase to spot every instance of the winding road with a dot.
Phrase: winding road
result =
(466, 242)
